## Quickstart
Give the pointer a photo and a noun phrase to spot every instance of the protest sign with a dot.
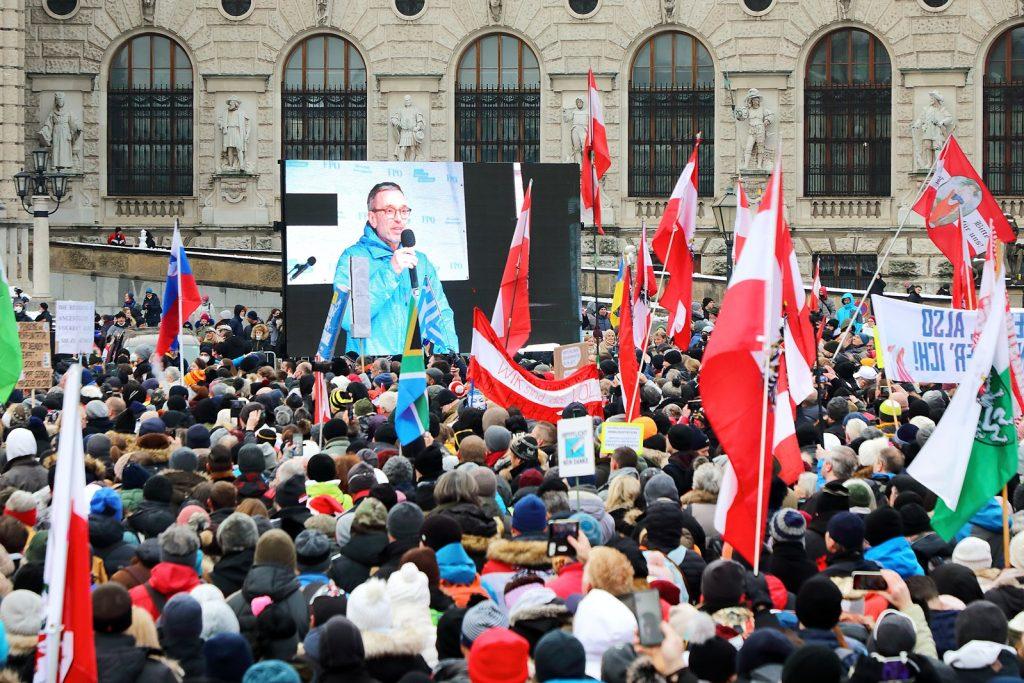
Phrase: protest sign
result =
(576, 447)
(37, 372)
(929, 344)
(616, 434)
(75, 327)
(570, 358)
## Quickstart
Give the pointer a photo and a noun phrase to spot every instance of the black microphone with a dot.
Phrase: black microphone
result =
(299, 268)
(409, 240)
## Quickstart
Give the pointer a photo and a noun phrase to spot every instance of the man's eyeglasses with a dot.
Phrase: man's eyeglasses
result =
(391, 212)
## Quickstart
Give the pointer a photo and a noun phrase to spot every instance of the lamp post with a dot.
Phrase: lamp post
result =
(725, 218)
(34, 189)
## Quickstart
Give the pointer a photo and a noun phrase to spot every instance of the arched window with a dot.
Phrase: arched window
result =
(848, 115)
(497, 101)
(1004, 114)
(671, 99)
(149, 119)
(323, 100)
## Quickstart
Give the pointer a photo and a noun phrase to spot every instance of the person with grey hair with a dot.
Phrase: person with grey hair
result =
(458, 497)
(701, 500)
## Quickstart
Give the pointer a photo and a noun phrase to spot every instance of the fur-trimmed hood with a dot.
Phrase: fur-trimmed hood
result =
(477, 545)
(696, 496)
(405, 639)
(642, 670)
(532, 554)
(183, 483)
(152, 450)
(21, 645)
(551, 610)
(8, 676)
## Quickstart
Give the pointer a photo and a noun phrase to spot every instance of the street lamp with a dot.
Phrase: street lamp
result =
(725, 218)
(34, 189)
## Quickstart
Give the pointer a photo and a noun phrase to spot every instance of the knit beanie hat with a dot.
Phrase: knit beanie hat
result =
(22, 613)
(157, 489)
(319, 468)
(360, 480)
(275, 547)
(430, 462)
(763, 646)
(271, 671)
(497, 438)
(250, 458)
(559, 655)
(894, 634)
(290, 492)
(237, 532)
(499, 656)
(106, 502)
(847, 529)
(312, 551)
(184, 459)
(153, 425)
(819, 603)
(182, 617)
(813, 663)
(111, 608)
(98, 446)
(713, 660)
(973, 553)
(787, 525)
(658, 486)
(194, 517)
(369, 607)
(881, 525)
(197, 436)
(179, 545)
(398, 470)
(722, 583)
(529, 516)
(439, 531)
(405, 521)
(22, 506)
(408, 586)
(370, 516)
(479, 618)
(228, 656)
(915, 519)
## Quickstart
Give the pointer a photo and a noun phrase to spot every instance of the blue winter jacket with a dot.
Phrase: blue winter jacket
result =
(897, 555)
(389, 297)
(848, 311)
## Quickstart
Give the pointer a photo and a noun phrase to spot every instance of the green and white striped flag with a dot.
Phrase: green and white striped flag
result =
(966, 474)
(10, 347)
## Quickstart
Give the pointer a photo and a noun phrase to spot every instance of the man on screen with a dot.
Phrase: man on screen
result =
(390, 282)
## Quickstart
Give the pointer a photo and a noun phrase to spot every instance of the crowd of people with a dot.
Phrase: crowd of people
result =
(234, 540)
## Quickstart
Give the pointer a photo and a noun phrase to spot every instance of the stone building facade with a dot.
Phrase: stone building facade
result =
(239, 51)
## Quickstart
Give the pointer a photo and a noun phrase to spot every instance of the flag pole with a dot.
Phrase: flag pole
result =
(181, 323)
(519, 262)
(888, 249)
(1006, 527)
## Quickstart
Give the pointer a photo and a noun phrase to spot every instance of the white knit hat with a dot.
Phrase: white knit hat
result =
(601, 621)
(973, 553)
(369, 607)
(22, 613)
(20, 442)
(869, 450)
(408, 586)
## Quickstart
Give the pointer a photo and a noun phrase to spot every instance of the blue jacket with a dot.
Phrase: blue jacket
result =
(848, 311)
(389, 297)
(897, 555)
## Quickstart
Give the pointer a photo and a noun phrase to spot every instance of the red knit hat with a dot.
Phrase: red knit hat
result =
(499, 656)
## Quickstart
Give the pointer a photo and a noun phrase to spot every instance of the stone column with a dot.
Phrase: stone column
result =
(40, 248)
(12, 133)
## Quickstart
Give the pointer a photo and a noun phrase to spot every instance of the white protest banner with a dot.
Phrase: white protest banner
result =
(576, 447)
(616, 434)
(75, 326)
(928, 343)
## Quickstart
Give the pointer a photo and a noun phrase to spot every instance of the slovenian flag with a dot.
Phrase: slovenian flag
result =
(181, 296)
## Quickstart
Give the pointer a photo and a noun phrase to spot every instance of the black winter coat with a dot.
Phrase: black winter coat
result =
(106, 536)
(229, 572)
(120, 660)
(151, 518)
(790, 565)
(352, 565)
(188, 652)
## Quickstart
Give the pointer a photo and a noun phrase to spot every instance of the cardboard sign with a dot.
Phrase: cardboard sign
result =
(75, 327)
(616, 434)
(570, 358)
(37, 371)
(576, 447)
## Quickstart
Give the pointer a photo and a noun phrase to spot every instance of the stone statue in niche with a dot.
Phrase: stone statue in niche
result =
(756, 155)
(322, 10)
(668, 10)
(148, 10)
(495, 7)
(843, 8)
(234, 129)
(60, 131)
(577, 118)
(410, 128)
(930, 130)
